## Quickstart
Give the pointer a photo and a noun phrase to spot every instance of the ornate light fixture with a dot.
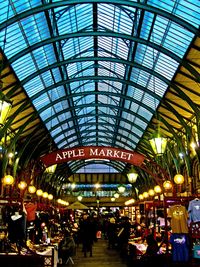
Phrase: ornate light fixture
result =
(132, 175)
(79, 198)
(5, 108)
(51, 169)
(157, 142)
(116, 195)
(121, 189)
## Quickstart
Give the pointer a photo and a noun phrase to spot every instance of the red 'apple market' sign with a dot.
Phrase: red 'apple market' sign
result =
(92, 152)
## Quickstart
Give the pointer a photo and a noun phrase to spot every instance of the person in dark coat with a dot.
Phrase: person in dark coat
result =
(86, 235)
(112, 233)
(152, 246)
(67, 246)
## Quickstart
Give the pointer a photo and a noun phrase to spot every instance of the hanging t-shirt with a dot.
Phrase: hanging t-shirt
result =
(180, 247)
(194, 210)
(31, 211)
(179, 219)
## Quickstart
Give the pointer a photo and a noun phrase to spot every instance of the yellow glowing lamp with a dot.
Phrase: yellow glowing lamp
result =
(51, 169)
(167, 185)
(141, 197)
(50, 197)
(45, 195)
(116, 195)
(121, 189)
(39, 192)
(145, 195)
(22, 185)
(79, 198)
(112, 199)
(8, 180)
(157, 189)
(179, 179)
(31, 189)
(132, 175)
(158, 144)
(5, 108)
(151, 192)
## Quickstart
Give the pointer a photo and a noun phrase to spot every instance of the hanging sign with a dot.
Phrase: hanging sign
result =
(92, 152)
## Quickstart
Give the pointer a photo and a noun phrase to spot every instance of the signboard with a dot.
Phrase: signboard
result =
(92, 152)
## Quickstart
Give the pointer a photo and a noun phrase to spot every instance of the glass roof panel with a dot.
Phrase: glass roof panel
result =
(97, 168)
(74, 19)
(115, 67)
(113, 18)
(185, 9)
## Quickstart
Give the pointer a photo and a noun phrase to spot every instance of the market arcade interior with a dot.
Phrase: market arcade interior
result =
(99, 119)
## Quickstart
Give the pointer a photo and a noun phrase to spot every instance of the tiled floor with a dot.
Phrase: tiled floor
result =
(102, 257)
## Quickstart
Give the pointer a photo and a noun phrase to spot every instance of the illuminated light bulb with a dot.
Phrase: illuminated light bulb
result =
(121, 189)
(151, 192)
(8, 180)
(45, 195)
(39, 192)
(22, 185)
(31, 189)
(116, 195)
(167, 185)
(50, 196)
(141, 197)
(79, 198)
(157, 189)
(145, 195)
(178, 178)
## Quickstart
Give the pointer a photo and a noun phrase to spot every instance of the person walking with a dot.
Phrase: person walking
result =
(86, 234)
(112, 233)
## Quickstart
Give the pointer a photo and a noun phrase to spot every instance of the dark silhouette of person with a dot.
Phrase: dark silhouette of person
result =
(152, 246)
(66, 247)
(112, 233)
(86, 235)
(151, 255)
(125, 227)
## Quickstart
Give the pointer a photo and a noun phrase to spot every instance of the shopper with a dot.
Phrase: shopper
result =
(86, 234)
(152, 246)
(66, 247)
(123, 236)
(112, 233)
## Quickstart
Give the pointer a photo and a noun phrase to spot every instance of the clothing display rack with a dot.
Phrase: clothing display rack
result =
(194, 229)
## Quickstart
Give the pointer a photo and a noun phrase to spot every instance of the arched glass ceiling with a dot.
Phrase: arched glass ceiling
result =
(96, 70)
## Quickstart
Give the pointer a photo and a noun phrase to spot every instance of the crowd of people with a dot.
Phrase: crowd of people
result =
(115, 230)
